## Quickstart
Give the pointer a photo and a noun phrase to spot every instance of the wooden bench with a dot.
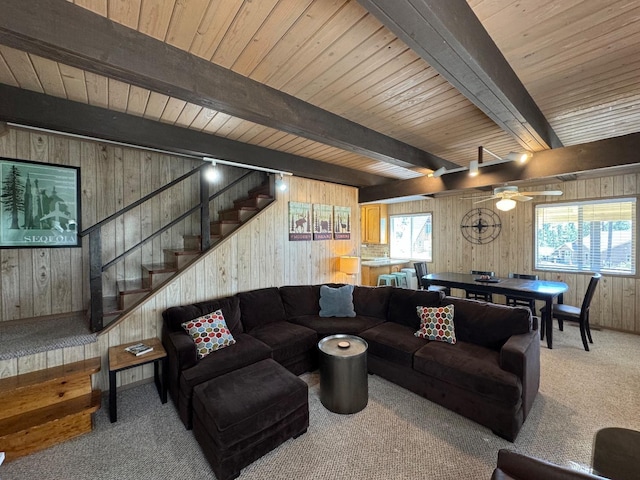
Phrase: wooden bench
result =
(46, 407)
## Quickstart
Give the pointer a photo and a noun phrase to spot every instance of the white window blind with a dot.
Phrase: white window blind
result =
(594, 236)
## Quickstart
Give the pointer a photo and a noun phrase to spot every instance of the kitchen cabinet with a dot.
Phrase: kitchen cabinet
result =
(374, 224)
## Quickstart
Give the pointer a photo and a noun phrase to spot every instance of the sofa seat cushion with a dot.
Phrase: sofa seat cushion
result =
(470, 367)
(393, 342)
(241, 403)
(286, 339)
(245, 351)
(329, 325)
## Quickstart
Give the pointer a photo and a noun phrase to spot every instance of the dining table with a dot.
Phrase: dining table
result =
(545, 290)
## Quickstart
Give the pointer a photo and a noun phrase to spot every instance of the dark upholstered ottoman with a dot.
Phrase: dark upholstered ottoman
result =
(240, 416)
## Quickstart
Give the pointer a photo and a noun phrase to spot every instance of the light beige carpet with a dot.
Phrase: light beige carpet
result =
(398, 436)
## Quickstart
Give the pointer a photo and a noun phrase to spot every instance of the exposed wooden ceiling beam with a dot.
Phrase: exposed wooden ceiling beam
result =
(66, 33)
(38, 110)
(449, 36)
(587, 157)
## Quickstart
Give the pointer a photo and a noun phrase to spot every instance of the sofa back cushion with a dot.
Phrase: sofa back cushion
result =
(488, 324)
(260, 307)
(174, 317)
(371, 301)
(403, 303)
(300, 300)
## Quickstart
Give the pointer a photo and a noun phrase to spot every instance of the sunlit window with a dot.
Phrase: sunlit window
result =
(411, 237)
(594, 236)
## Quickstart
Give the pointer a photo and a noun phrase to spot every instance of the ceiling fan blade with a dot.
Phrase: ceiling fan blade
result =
(546, 192)
(521, 198)
(476, 197)
(487, 199)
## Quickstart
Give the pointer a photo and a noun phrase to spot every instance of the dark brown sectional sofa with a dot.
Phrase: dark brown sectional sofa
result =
(491, 375)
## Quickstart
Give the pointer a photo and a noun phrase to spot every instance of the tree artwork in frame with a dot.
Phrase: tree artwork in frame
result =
(39, 204)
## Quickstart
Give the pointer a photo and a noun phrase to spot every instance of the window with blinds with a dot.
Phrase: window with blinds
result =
(594, 236)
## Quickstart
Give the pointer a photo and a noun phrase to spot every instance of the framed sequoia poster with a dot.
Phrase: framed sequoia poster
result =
(39, 204)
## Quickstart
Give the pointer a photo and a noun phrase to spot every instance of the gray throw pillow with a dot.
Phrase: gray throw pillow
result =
(336, 302)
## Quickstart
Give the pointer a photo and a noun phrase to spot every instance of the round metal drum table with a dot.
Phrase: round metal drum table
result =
(344, 385)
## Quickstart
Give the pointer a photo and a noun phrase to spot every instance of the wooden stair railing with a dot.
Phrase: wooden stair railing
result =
(46, 407)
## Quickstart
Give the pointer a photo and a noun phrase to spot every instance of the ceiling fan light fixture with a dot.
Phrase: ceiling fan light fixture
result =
(505, 204)
(473, 168)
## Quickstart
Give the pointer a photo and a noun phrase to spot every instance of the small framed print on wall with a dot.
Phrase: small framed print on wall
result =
(39, 204)
(299, 221)
(322, 222)
(342, 223)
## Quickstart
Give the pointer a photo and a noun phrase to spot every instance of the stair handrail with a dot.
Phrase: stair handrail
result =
(97, 268)
(177, 220)
(139, 202)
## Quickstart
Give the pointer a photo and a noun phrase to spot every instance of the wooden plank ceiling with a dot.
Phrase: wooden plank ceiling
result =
(578, 60)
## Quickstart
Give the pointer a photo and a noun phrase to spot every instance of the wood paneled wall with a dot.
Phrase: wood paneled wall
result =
(616, 303)
(44, 281)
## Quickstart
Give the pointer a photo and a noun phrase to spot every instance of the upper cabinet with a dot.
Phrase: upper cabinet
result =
(373, 220)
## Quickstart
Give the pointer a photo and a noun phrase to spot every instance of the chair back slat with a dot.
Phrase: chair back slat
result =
(591, 289)
(421, 271)
(481, 272)
(524, 276)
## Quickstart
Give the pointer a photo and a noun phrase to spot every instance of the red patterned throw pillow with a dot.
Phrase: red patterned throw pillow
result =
(436, 323)
(209, 332)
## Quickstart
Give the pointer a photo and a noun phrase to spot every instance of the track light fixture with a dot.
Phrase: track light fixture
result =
(280, 183)
(438, 173)
(211, 173)
(473, 168)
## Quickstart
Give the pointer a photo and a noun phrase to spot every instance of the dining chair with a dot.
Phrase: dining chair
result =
(515, 301)
(475, 295)
(421, 271)
(569, 313)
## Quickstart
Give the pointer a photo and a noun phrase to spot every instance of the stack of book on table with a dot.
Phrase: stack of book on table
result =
(139, 349)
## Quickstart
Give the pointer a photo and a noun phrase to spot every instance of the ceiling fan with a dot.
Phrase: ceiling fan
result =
(509, 195)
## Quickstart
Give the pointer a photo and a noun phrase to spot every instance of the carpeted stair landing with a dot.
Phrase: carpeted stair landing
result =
(19, 338)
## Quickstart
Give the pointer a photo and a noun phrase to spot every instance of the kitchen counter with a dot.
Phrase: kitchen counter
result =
(374, 267)
(380, 263)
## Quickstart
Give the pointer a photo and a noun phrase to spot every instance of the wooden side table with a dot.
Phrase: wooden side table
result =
(120, 359)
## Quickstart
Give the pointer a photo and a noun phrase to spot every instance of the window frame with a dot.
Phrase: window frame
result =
(411, 215)
(589, 201)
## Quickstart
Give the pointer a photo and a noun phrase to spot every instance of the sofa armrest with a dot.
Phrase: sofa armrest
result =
(514, 466)
(181, 354)
(520, 355)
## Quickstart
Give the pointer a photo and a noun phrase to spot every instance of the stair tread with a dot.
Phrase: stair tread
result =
(131, 286)
(25, 380)
(110, 306)
(249, 209)
(88, 403)
(226, 222)
(183, 251)
(160, 268)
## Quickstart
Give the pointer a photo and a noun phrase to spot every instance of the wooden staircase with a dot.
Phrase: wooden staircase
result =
(132, 291)
(46, 407)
